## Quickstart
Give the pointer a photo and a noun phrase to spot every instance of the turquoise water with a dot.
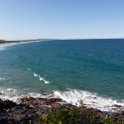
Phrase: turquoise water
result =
(93, 66)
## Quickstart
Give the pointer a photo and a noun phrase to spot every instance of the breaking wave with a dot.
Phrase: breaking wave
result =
(75, 97)
(16, 94)
(40, 78)
(78, 97)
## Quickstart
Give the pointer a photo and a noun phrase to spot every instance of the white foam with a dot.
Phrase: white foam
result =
(46, 82)
(76, 97)
(8, 93)
(40, 78)
(35, 75)
(16, 94)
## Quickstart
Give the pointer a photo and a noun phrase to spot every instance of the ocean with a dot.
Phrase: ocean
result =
(91, 71)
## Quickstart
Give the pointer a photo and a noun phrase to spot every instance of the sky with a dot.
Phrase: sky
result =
(64, 19)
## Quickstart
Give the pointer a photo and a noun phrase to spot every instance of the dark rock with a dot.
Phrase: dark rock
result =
(6, 104)
(117, 106)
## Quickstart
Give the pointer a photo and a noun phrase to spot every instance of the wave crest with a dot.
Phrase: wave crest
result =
(40, 78)
(77, 97)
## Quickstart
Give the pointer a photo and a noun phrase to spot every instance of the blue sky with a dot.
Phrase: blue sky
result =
(24, 19)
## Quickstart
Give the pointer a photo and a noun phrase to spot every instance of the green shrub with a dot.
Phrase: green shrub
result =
(73, 115)
(69, 116)
(108, 120)
(62, 116)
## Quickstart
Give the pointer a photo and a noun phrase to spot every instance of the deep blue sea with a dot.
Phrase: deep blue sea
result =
(74, 70)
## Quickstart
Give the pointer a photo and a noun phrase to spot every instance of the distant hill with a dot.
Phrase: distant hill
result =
(15, 41)
(2, 41)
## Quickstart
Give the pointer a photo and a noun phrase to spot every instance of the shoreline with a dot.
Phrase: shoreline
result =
(19, 41)
(74, 97)
(32, 109)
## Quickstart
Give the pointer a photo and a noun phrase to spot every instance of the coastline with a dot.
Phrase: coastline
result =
(18, 41)
(34, 110)
(5, 43)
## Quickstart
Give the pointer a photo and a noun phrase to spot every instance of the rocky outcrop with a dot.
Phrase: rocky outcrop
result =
(29, 110)
(4, 105)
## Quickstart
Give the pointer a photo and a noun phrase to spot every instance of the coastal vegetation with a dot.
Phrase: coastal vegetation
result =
(76, 116)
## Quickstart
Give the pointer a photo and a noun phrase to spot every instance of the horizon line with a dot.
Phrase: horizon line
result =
(62, 39)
